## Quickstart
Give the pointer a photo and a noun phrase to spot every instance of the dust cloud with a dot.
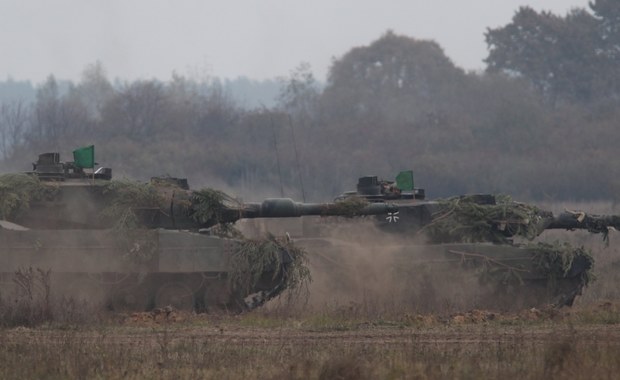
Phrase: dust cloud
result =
(357, 268)
(375, 273)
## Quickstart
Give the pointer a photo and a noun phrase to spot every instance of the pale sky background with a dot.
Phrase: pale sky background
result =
(260, 39)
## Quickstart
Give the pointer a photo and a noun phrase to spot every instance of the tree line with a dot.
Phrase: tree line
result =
(539, 123)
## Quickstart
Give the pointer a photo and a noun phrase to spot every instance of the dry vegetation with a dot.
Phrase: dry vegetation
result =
(582, 343)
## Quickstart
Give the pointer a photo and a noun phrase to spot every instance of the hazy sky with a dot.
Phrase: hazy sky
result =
(230, 38)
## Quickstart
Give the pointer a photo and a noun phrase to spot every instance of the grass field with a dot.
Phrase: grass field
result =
(578, 343)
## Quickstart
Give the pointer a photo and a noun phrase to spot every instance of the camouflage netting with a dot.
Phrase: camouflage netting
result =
(17, 191)
(123, 197)
(348, 207)
(461, 220)
(596, 224)
(255, 257)
(206, 206)
(556, 260)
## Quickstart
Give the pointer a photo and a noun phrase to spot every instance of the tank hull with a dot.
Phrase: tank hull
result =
(447, 277)
(150, 269)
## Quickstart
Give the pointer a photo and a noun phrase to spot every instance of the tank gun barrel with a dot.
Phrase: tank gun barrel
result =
(482, 218)
(287, 208)
(573, 220)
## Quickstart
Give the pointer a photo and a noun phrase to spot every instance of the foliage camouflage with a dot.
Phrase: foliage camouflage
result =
(17, 191)
(254, 257)
(207, 205)
(123, 197)
(461, 220)
(554, 260)
(251, 258)
(348, 207)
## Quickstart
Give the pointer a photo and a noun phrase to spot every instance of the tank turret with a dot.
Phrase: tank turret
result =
(374, 189)
(49, 167)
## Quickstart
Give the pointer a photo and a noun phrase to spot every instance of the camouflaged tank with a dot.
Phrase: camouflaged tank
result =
(128, 245)
(452, 243)
(135, 246)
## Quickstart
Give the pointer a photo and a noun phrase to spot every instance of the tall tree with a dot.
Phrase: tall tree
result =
(607, 13)
(14, 117)
(570, 58)
(94, 90)
(299, 95)
(48, 122)
(395, 75)
(135, 110)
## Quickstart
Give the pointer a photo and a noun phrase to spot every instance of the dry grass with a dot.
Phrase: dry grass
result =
(576, 344)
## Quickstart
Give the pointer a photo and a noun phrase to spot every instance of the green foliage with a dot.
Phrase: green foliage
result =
(122, 200)
(394, 78)
(208, 206)
(297, 272)
(501, 276)
(256, 257)
(348, 207)
(570, 58)
(253, 258)
(124, 197)
(18, 191)
(249, 262)
(555, 260)
(463, 219)
(565, 268)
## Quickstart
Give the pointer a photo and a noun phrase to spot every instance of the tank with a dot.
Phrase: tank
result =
(129, 245)
(489, 238)
(136, 246)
